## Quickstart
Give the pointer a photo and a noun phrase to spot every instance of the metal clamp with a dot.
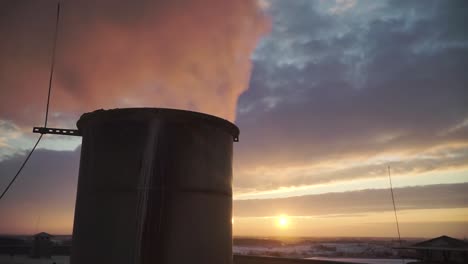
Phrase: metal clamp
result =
(57, 131)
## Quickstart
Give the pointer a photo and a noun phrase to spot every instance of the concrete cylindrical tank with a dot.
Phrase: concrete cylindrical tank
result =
(155, 186)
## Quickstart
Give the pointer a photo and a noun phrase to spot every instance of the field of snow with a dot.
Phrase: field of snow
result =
(4, 259)
(65, 260)
(371, 251)
(368, 260)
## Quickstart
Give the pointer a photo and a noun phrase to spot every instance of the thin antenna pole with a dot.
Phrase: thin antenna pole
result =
(394, 207)
(37, 224)
(53, 63)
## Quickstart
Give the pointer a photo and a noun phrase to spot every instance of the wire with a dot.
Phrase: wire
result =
(21, 168)
(47, 105)
(52, 66)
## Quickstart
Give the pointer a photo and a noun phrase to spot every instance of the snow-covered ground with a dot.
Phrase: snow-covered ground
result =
(372, 251)
(292, 251)
(378, 251)
(368, 260)
(5, 259)
(65, 260)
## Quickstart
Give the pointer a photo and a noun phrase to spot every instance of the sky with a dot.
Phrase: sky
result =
(327, 95)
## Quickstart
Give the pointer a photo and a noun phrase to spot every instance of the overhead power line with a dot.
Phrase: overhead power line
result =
(47, 104)
(52, 66)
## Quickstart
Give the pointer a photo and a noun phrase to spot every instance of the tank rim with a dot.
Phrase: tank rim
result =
(147, 112)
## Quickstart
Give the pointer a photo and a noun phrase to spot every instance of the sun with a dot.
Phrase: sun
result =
(283, 221)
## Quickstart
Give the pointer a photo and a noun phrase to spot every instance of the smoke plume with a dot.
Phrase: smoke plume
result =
(189, 54)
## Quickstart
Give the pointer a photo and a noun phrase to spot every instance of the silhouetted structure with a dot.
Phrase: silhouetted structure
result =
(154, 187)
(41, 246)
(441, 249)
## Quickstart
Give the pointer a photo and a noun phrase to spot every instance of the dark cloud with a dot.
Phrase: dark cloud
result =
(329, 86)
(365, 201)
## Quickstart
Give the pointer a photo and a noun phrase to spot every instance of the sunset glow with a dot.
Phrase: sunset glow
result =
(328, 96)
(282, 221)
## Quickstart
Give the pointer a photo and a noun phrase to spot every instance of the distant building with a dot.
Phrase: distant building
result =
(41, 246)
(442, 249)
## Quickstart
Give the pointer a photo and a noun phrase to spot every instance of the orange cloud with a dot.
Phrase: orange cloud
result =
(183, 54)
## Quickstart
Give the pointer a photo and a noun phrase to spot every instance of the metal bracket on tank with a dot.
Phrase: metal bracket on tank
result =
(74, 132)
(57, 131)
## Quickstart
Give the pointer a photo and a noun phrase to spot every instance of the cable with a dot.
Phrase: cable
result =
(21, 168)
(47, 105)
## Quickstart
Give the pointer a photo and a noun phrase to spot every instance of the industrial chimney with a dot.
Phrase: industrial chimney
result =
(155, 186)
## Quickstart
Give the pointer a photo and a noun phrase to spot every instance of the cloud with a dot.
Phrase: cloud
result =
(379, 80)
(356, 202)
(7, 130)
(329, 170)
(182, 54)
(331, 98)
(342, 5)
